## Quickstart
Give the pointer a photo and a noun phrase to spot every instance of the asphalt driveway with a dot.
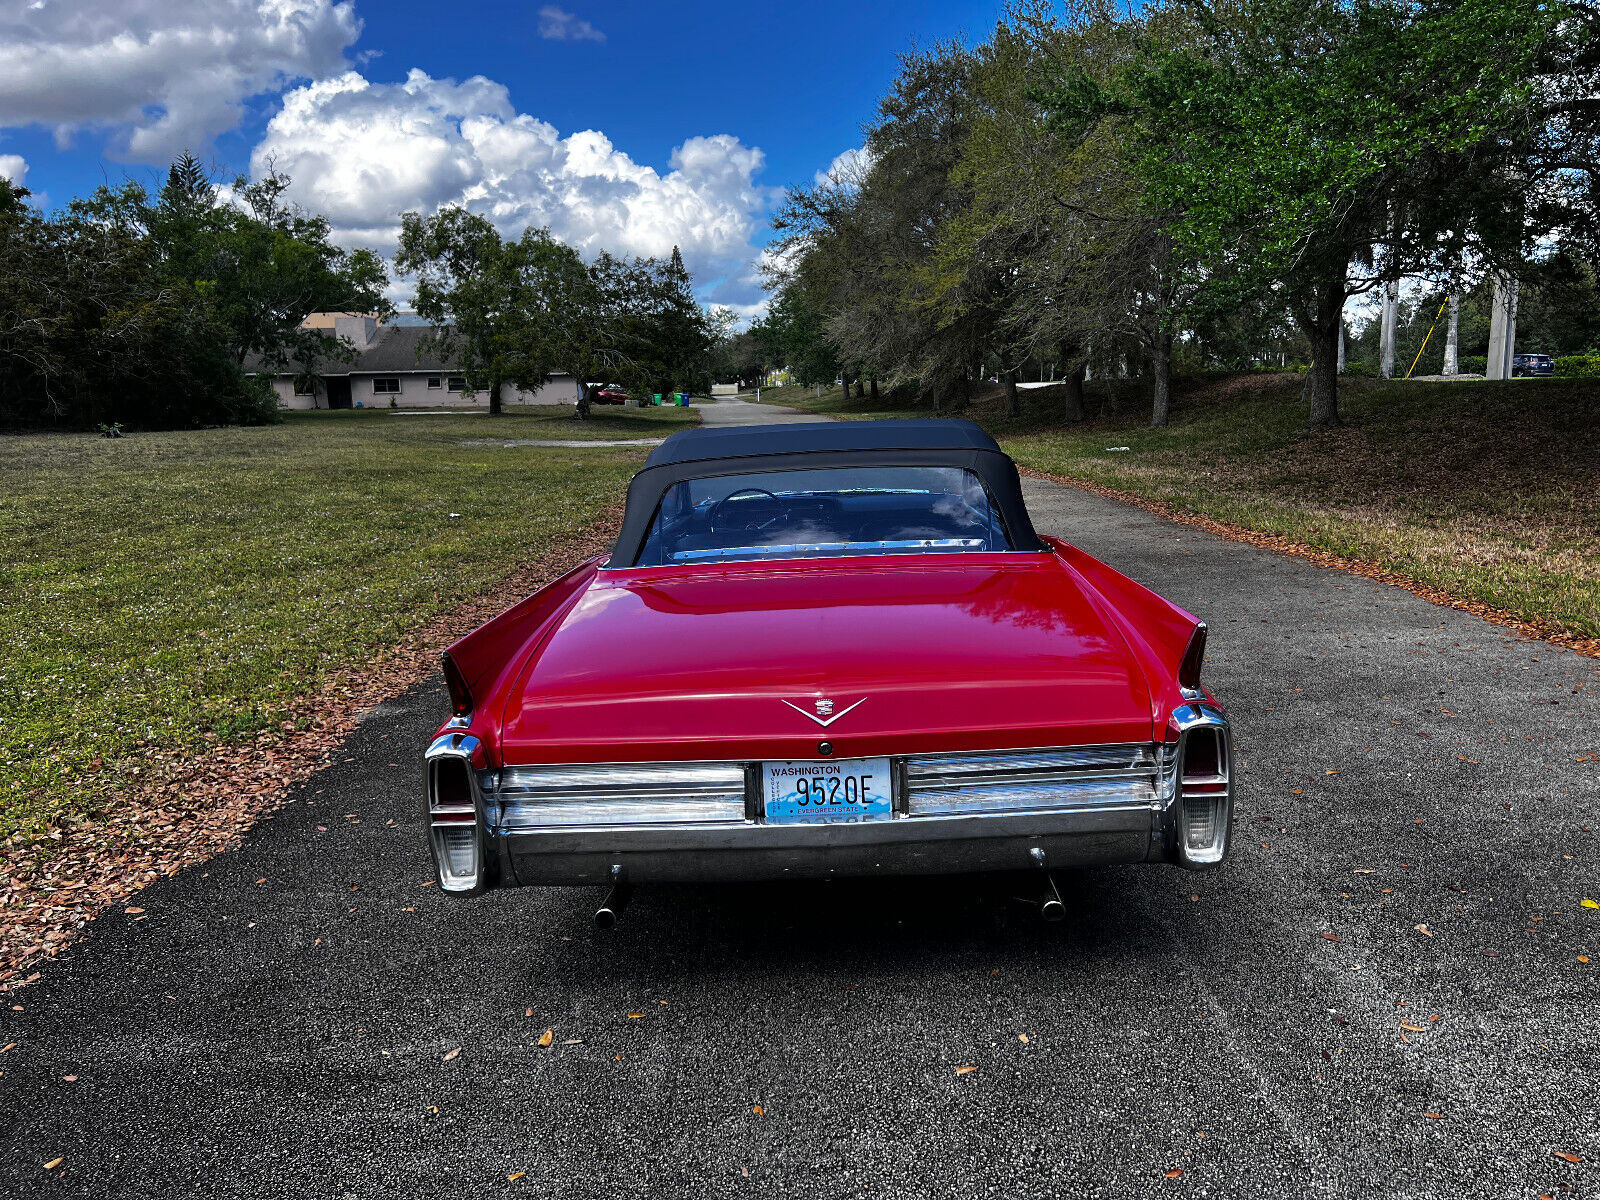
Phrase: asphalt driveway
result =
(1416, 830)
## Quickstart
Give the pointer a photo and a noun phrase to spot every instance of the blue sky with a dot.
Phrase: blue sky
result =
(701, 113)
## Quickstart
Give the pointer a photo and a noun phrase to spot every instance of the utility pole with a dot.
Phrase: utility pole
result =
(1340, 367)
(1502, 328)
(1391, 318)
(1451, 365)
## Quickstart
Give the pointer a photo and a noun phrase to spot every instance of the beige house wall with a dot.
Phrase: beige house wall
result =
(415, 393)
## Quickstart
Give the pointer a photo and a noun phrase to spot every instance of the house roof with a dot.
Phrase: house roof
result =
(393, 349)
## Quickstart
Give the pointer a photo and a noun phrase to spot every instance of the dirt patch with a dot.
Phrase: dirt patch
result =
(183, 810)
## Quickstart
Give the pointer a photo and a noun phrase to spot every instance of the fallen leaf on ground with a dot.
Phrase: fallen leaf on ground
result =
(758, 1110)
(965, 1070)
(1413, 1028)
(1365, 871)
(1175, 1173)
(1433, 1116)
(529, 1013)
(132, 911)
(1561, 1154)
(1423, 930)
(634, 1016)
(1023, 1038)
(451, 1054)
(1583, 958)
(52, 1164)
(433, 1108)
(1590, 903)
(1332, 937)
(70, 1078)
(548, 1036)
(514, 1176)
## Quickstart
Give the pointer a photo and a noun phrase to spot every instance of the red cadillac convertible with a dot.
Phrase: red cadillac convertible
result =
(820, 650)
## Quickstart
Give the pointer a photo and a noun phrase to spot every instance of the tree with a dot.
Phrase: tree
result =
(470, 284)
(1312, 149)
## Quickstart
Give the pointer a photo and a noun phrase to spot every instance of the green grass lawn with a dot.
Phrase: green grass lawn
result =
(169, 589)
(1487, 490)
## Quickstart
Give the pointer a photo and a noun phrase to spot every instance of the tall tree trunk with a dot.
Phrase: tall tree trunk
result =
(585, 398)
(1388, 329)
(1452, 364)
(494, 399)
(874, 387)
(844, 384)
(1013, 395)
(1161, 370)
(1322, 331)
(963, 393)
(861, 391)
(1075, 413)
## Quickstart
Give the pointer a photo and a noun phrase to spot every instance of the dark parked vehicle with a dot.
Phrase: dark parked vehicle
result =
(1532, 364)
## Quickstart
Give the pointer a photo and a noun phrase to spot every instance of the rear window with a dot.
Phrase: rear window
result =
(822, 513)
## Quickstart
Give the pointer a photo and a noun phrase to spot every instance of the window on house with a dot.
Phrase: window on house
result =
(389, 385)
(458, 383)
(433, 383)
(304, 385)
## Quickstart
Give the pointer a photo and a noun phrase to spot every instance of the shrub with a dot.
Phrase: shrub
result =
(1579, 366)
(1474, 364)
(1360, 369)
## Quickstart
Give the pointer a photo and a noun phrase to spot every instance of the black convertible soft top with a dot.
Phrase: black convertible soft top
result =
(736, 450)
(819, 437)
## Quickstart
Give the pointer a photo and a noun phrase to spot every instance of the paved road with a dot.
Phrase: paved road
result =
(280, 1022)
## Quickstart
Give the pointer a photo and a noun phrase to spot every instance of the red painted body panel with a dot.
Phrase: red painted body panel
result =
(947, 652)
(944, 652)
(1157, 630)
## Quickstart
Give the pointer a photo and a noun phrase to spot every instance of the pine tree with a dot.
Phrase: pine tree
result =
(188, 185)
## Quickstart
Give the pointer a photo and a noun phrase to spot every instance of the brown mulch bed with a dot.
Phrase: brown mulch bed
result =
(1270, 541)
(183, 809)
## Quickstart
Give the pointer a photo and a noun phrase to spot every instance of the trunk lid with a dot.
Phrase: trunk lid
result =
(910, 655)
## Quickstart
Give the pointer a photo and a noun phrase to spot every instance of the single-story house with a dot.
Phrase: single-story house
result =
(395, 367)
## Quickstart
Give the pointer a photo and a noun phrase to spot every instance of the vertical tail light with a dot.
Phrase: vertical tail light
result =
(455, 818)
(1204, 791)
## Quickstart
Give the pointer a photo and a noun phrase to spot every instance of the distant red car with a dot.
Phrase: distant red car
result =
(820, 650)
(610, 393)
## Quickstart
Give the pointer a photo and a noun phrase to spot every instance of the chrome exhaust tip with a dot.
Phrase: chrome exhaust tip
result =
(1051, 907)
(605, 917)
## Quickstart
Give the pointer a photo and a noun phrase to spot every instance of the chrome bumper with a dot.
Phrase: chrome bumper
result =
(1080, 806)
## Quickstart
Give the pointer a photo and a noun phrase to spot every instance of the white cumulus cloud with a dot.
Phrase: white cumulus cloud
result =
(160, 75)
(14, 167)
(848, 168)
(362, 153)
(559, 25)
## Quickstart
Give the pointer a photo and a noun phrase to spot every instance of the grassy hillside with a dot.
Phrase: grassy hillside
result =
(1488, 491)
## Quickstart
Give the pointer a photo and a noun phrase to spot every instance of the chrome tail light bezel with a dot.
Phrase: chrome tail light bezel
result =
(1200, 791)
(457, 821)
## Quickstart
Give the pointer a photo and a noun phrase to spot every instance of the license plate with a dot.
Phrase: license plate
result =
(822, 793)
